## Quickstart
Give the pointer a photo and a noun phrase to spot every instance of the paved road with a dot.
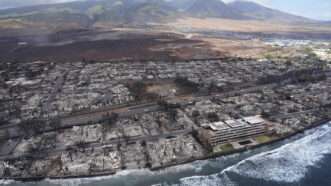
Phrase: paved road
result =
(85, 116)
(97, 116)
(147, 107)
(93, 116)
(123, 140)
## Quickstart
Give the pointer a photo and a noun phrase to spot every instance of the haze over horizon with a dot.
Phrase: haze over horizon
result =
(314, 9)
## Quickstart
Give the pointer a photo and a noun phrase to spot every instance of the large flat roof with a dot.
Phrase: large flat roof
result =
(254, 119)
(235, 123)
(218, 126)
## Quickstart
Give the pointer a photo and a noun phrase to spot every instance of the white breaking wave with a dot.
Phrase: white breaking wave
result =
(6, 182)
(288, 163)
(212, 180)
(129, 175)
(88, 181)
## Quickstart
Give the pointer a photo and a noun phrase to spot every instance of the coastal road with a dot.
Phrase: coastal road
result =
(89, 117)
(97, 116)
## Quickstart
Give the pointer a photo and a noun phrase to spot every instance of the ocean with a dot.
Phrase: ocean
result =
(303, 160)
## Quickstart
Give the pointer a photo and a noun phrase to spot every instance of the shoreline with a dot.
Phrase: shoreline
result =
(211, 156)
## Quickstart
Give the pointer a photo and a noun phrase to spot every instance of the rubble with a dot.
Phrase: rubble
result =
(85, 119)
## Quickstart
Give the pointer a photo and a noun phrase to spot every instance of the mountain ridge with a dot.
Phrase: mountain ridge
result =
(259, 12)
(212, 8)
(145, 11)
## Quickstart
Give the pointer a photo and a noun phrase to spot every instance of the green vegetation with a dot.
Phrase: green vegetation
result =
(263, 139)
(268, 56)
(308, 50)
(223, 148)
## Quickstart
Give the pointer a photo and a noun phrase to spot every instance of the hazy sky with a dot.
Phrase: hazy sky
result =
(17, 3)
(317, 9)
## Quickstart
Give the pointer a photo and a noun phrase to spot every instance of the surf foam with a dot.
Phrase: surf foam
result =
(289, 163)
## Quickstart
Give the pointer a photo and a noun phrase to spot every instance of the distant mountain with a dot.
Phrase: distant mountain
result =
(151, 12)
(212, 8)
(181, 5)
(138, 12)
(116, 11)
(86, 13)
(256, 11)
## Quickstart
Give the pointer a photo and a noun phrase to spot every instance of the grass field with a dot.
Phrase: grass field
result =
(223, 148)
(263, 139)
